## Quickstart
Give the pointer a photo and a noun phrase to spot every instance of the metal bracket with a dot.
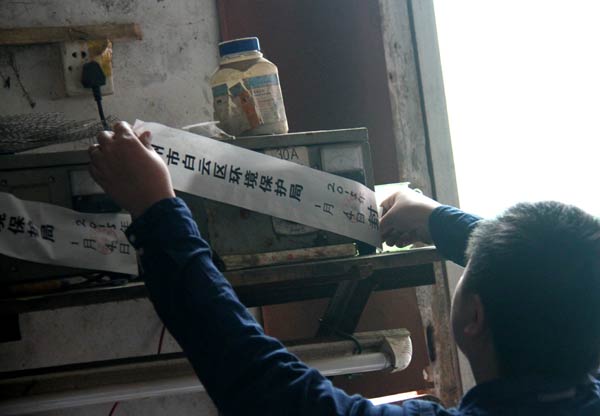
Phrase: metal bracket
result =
(347, 303)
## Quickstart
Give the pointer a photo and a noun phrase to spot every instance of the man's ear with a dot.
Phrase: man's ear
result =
(476, 323)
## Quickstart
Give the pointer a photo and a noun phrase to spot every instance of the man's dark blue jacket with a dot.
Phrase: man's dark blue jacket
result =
(246, 372)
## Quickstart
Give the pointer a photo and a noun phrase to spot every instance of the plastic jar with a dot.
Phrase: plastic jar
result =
(246, 92)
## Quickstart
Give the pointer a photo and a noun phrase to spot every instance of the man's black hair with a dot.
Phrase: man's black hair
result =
(537, 270)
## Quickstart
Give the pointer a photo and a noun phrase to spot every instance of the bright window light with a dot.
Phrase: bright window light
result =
(522, 82)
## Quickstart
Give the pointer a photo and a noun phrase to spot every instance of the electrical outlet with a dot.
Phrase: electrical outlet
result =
(77, 53)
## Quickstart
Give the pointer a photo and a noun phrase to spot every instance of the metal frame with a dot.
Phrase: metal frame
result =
(74, 385)
(276, 284)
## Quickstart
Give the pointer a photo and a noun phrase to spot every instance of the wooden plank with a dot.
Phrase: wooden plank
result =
(424, 156)
(434, 304)
(240, 261)
(336, 267)
(438, 135)
(436, 116)
(264, 285)
(434, 103)
(307, 138)
(411, 276)
(405, 100)
(274, 295)
(53, 34)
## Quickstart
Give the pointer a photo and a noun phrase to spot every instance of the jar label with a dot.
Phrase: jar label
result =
(219, 90)
(248, 104)
(244, 101)
(267, 96)
(222, 106)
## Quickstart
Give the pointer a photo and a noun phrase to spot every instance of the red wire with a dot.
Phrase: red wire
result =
(160, 344)
(160, 341)
(113, 408)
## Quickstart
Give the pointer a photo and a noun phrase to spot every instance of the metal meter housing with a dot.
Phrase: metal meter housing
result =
(235, 231)
(62, 178)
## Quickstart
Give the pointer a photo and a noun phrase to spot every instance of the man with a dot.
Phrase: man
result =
(526, 312)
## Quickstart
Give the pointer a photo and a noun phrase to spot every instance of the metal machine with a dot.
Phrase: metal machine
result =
(240, 237)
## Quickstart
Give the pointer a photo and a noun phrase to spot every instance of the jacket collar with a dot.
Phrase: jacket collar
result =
(526, 390)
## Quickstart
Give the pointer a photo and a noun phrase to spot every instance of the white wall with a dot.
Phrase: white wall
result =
(163, 78)
(522, 88)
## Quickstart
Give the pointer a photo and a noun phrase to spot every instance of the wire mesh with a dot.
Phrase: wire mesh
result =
(29, 131)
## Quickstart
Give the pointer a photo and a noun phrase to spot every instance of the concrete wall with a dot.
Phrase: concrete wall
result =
(163, 78)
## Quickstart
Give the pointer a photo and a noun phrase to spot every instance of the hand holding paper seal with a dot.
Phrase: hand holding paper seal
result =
(129, 170)
(405, 218)
(136, 177)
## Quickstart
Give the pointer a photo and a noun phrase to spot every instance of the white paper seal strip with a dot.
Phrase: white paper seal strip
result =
(47, 233)
(241, 177)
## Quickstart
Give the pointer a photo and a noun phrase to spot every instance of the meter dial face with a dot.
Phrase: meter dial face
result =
(341, 158)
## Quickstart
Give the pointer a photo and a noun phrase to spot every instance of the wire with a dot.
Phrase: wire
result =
(98, 99)
(158, 351)
(160, 341)
(113, 409)
(342, 334)
(92, 76)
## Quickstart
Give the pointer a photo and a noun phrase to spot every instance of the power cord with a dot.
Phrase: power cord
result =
(161, 339)
(92, 76)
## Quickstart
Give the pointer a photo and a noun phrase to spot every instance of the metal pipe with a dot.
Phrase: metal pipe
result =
(184, 384)
(353, 364)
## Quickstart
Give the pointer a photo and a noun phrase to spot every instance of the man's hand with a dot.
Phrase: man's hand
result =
(405, 218)
(129, 170)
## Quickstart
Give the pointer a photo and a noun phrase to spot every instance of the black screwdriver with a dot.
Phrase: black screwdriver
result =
(92, 76)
